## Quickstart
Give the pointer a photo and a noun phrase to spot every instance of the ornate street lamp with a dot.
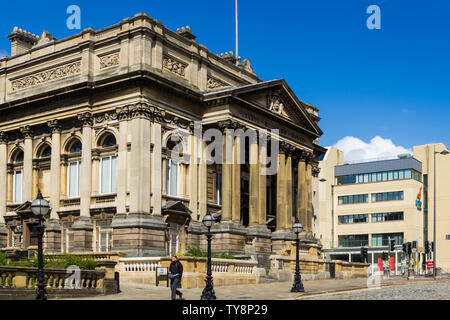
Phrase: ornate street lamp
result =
(298, 285)
(208, 292)
(40, 208)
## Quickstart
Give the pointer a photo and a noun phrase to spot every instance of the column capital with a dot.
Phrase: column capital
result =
(140, 110)
(315, 170)
(123, 113)
(3, 137)
(86, 118)
(55, 125)
(26, 132)
(230, 124)
(287, 148)
(10, 168)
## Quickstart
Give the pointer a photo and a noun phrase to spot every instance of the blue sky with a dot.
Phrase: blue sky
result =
(392, 82)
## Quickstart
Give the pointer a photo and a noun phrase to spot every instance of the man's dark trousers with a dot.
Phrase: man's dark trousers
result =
(175, 284)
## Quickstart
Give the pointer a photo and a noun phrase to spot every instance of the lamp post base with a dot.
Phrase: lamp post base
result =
(298, 285)
(208, 293)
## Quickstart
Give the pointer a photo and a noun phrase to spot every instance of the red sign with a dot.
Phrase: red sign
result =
(392, 263)
(380, 264)
(430, 264)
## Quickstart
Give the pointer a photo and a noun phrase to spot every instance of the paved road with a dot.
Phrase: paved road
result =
(319, 289)
(414, 291)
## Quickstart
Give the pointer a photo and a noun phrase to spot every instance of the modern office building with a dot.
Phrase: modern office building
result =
(90, 120)
(364, 204)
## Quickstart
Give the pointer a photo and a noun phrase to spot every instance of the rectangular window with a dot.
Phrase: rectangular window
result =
(219, 188)
(74, 185)
(366, 178)
(390, 175)
(407, 174)
(401, 174)
(395, 175)
(374, 177)
(104, 241)
(379, 176)
(385, 176)
(18, 181)
(108, 175)
(171, 177)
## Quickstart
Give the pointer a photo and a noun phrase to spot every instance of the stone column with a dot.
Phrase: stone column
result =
(226, 181)
(95, 172)
(3, 190)
(203, 181)
(254, 184)
(35, 179)
(27, 188)
(193, 177)
(122, 172)
(83, 227)
(236, 181)
(283, 234)
(301, 198)
(288, 214)
(309, 197)
(281, 191)
(229, 234)
(140, 233)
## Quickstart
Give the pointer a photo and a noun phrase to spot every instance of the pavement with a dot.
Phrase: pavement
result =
(329, 289)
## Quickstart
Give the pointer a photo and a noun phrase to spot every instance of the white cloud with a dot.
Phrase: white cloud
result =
(357, 150)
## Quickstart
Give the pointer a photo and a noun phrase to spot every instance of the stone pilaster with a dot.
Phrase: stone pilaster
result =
(55, 167)
(281, 191)
(83, 227)
(122, 172)
(3, 189)
(309, 197)
(254, 184)
(27, 188)
(289, 192)
(193, 176)
(236, 181)
(140, 233)
(226, 181)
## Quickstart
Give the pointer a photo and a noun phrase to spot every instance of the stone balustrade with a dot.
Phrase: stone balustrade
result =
(98, 256)
(225, 271)
(59, 282)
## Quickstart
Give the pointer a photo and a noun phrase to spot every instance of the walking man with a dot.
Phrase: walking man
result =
(176, 273)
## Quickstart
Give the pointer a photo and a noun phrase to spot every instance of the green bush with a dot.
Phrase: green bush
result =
(61, 262)
(195, 251)
(3, 259)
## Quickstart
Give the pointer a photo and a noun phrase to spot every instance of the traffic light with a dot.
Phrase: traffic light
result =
(392, 245)
(405, 247)
(385, 256)
(409, 247)
(432, 246)
(427, 246)
(414, 244)
(363, 254)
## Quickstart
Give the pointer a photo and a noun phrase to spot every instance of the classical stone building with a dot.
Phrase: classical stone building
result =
(89, 121)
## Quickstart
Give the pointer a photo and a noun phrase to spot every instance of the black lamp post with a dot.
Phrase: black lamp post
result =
(298, 285)
(40, 208)
(208, 292)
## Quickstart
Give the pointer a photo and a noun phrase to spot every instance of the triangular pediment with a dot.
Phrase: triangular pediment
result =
(277, 100)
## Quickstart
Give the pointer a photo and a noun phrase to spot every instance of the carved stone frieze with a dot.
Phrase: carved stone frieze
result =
(109, 60)
(214, 83)
(174, 66)
(46, 76)
(275, 104)
(108, 116)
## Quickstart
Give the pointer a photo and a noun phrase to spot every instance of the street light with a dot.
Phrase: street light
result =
(208, 292)
(298, 285)
(40, 208)
(444, 152)
(332, 212)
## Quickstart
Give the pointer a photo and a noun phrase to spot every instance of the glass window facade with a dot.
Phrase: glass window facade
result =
(387, 196)
(355, 218)
(383, 239)
(74, 179)
(354, 240)
(387, 216)
(171, 177)
(358, 198)
(379, 176)
(18, 186)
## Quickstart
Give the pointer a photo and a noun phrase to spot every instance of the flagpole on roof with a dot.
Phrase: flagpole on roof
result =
(237, 34)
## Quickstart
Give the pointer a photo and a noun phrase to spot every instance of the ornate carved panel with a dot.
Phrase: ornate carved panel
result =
(109, 60)
(174, 66)
(214, 83)
(46, 76)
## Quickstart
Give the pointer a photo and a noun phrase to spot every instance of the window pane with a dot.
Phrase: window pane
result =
(395, 175)
(113, 174)
(407, 174)
(390, 175)
(73, 177)
(384, 176)
(173, 178)
(106, 163)
(18, 187)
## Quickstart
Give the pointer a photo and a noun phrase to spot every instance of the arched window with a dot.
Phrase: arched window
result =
(17, 160)
(108, 170)
(74, 174)
(46, 152)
